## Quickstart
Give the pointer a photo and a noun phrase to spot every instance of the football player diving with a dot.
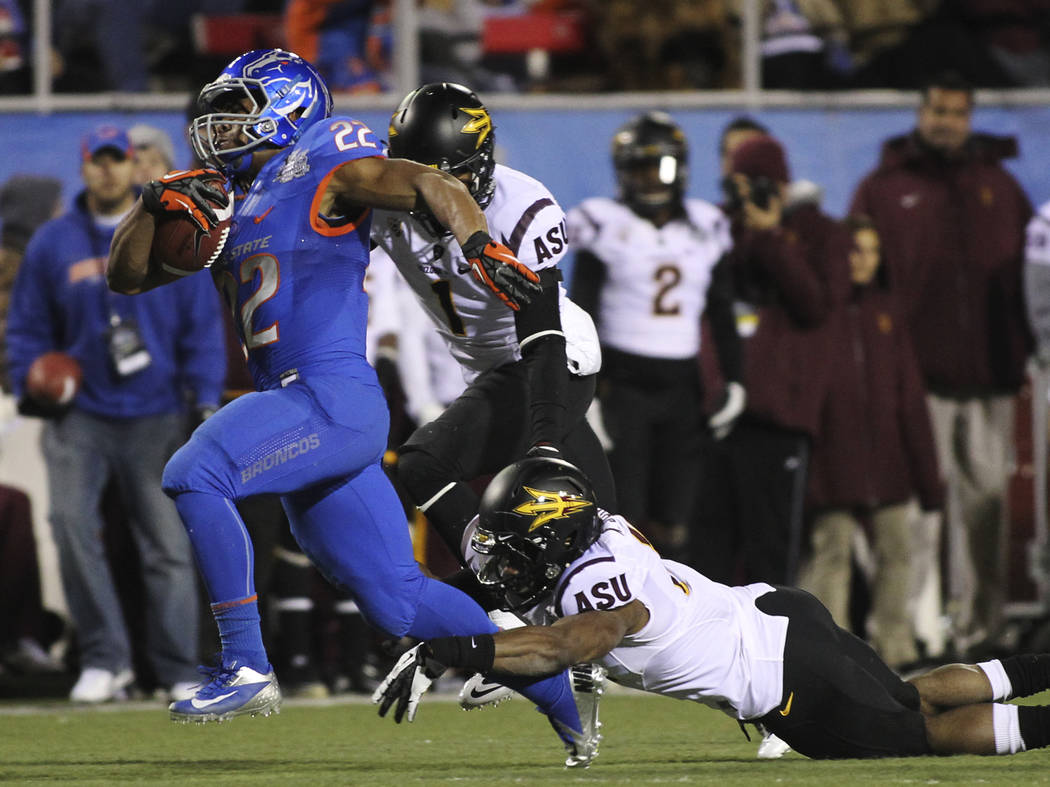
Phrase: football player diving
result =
(595, 590)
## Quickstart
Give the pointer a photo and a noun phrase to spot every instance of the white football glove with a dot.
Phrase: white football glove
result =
(734, 399)
(407, 682)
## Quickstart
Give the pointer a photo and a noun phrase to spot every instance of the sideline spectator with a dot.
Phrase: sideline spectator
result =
(26, 202)
(23, 621)
(666, 44)
(875, 25)
(785, 280)
(738, 131)
(336, 35)
(648, 264)
(1017, 34)
(137, 356)
(945, 38)
(100, 46)
(803, 45)
(1037, 282)
(14, 66)
(153, 152)
(952, 222)
(874, 451)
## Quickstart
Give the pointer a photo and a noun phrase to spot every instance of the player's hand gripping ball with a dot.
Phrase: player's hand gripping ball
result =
(194, 211)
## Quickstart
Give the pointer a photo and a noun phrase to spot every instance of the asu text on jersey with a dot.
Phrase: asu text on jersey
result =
(704, 641)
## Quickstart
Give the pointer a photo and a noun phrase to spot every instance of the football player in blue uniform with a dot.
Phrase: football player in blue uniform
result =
(315, 429)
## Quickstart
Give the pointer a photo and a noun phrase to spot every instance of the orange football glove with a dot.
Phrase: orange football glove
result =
(191, 191)
(496, 267)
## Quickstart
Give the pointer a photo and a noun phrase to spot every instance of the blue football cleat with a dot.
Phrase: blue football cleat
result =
(231, 691)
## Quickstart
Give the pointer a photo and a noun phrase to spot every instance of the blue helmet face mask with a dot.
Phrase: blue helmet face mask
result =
(270, 96)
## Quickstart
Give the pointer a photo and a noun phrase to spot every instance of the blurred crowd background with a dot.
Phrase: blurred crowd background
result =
(538, 45)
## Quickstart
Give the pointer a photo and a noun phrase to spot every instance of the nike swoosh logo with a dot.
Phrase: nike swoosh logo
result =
(263, 215)
(201, 704)
(478, 694)
(787, 706)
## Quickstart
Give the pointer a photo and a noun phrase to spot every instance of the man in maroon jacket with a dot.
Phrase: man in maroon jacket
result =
(753, 486)
(952, 223)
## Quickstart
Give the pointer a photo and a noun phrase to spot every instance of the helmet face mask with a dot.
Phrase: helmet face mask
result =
(445, 126)
(536, 517)
(266, 97)
(650, 155)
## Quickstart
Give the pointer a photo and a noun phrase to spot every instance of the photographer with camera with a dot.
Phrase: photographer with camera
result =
(782, 262)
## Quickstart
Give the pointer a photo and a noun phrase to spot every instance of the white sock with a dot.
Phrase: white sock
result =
(1007, 728)
(1001, 686)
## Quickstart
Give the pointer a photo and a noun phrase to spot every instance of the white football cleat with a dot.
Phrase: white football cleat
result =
(771, 747)
(480, 692)
(588, 685)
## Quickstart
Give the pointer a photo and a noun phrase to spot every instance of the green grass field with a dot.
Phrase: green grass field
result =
(648, 740)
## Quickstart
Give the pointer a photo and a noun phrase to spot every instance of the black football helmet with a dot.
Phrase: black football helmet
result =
(445, 125)
(535, 518)
(651, 157)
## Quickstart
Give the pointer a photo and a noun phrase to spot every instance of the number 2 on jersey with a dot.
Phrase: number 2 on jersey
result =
(668, 277)
(269, 271)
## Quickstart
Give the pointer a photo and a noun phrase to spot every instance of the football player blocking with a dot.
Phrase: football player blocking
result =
(595, 590)
(530, 372)
(316, 427)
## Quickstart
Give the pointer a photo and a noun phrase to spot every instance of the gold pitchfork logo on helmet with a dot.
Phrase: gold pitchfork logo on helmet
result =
(546, 506)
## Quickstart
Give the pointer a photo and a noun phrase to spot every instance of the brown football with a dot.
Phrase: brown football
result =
(54, 377)
(182, 248)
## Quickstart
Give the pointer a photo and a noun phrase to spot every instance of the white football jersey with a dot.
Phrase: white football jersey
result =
(656, 278)
(383, 310)
(704, 641)
(476, 324)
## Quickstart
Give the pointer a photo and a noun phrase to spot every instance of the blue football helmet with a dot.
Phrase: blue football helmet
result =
(271, 96)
